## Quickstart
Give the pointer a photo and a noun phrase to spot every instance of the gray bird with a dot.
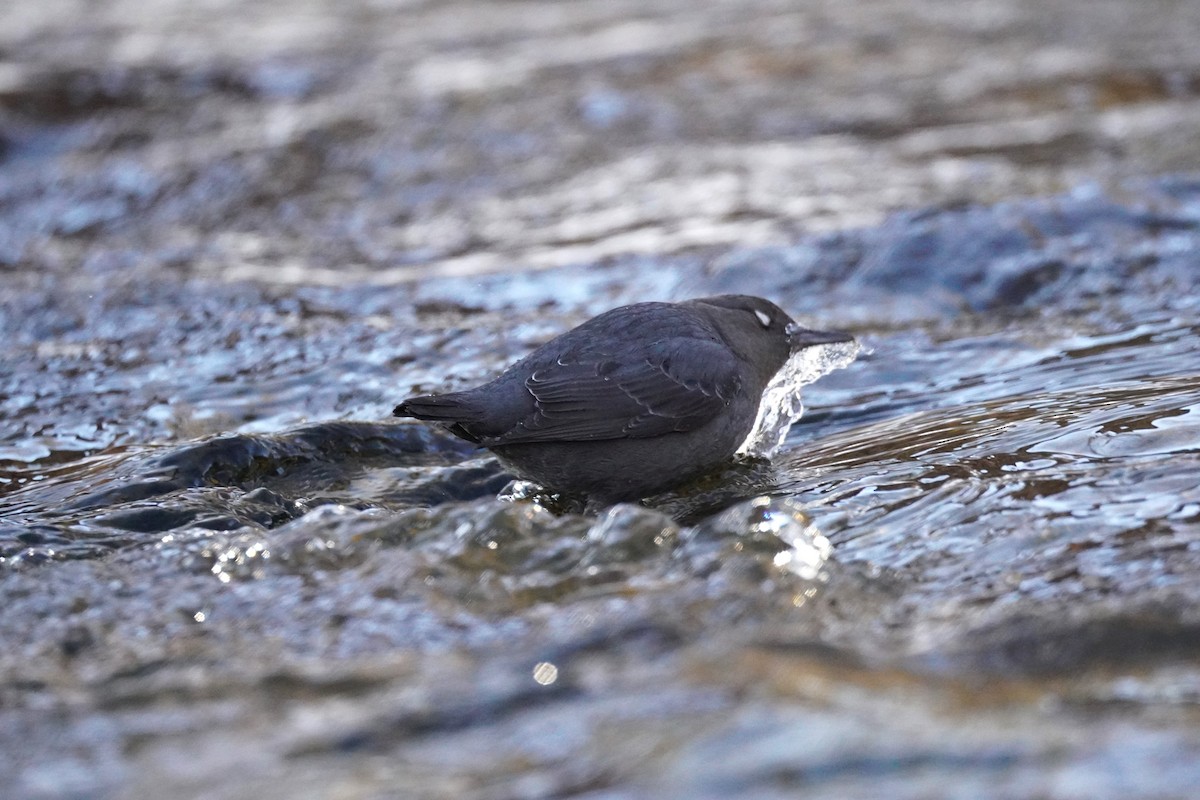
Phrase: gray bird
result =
(632, 402)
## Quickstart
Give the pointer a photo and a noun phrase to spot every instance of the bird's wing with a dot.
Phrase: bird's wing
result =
(675, 385)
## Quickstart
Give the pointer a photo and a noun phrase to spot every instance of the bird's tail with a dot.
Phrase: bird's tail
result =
(437, 408)
(455, 407)
(450, 409)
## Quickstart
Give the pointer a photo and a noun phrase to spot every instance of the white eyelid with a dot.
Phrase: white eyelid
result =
(763, 318)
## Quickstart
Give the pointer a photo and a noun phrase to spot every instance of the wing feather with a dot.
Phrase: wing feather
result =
(675, 385)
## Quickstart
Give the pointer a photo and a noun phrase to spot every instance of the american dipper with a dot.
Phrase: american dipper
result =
(631, 402)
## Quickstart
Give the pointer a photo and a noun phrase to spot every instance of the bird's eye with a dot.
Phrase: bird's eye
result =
(763, 318)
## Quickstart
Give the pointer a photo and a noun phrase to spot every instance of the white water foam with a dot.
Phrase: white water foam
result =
(781, 405)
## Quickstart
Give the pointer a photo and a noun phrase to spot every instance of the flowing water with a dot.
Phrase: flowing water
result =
(233, 237)
(972, 568)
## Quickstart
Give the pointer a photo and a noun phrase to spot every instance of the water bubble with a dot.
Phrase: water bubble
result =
(545, 673)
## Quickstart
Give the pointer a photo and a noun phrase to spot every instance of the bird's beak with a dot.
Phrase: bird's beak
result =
(800, 338)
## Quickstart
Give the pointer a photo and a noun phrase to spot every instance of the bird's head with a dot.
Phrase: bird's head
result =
(761, 332)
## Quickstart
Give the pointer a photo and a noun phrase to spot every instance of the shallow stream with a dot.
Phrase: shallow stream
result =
(232, 240)
(976, 559)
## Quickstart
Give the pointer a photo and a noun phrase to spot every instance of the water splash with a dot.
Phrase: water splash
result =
(781, 525)
(781, 403)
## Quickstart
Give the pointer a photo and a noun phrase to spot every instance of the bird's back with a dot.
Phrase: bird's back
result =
(633, 372)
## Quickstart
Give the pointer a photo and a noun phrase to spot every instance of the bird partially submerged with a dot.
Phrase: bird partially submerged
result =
(634, 401)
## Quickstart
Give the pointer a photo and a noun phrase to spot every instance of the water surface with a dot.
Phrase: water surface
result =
(973, 560)
(231, 239)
